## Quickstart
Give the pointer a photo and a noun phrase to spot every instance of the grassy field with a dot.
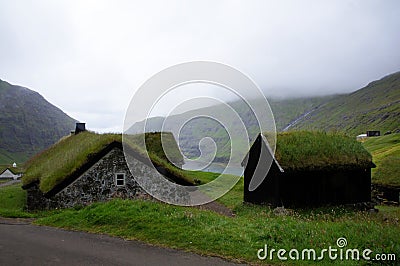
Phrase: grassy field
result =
(386, 154)
(236, 238)
(12, 201)
(206, 232)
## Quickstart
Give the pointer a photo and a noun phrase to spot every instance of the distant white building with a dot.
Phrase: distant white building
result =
(8, 174)
(361, 136)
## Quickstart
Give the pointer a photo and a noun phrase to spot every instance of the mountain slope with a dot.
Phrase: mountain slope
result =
(28, 123)
(284, 111)
(386, 155)
(374, 107)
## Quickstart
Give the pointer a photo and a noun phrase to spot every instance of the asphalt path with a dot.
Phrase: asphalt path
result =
(9, 183)
(22, 243)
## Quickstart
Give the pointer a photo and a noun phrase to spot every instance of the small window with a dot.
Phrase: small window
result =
(120, 179)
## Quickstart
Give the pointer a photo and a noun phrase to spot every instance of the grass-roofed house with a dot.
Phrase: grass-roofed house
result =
(88, 167)
(10, 173)
(308, 169)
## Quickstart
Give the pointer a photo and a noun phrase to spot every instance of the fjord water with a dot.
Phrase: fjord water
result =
(214, 167)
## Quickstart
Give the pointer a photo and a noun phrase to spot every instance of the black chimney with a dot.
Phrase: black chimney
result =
(80, 127)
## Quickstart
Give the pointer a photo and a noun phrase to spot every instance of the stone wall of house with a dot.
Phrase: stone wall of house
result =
(35, 199)
(99, 184)
(154, 182)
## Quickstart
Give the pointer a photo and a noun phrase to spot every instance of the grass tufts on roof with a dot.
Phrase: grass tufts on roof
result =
(51, 166)
(156, 144)
(308, 150)
(61, 160)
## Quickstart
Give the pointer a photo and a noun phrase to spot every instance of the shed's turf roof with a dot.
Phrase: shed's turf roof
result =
(305, 150)
(68, 155)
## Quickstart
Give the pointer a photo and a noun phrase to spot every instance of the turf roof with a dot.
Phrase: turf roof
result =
(67, 156)
(307, 150)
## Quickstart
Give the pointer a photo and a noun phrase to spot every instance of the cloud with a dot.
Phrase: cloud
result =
(89, 57)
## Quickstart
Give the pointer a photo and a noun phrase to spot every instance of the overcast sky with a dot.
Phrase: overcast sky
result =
(89, 57)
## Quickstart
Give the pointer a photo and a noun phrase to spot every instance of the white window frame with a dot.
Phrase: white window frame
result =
(116, 179)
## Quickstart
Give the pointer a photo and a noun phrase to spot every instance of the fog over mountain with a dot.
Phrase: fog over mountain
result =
(89, 57)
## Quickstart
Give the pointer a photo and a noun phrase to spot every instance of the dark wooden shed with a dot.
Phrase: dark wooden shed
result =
(308, 169)
(373, 133)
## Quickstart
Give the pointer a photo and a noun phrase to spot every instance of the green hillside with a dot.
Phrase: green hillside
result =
(284, 111)
(28, 123)
(374, 107)
(386, 155)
